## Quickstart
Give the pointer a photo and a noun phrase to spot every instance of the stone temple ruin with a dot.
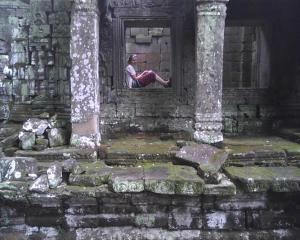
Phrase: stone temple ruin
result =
(214, 156)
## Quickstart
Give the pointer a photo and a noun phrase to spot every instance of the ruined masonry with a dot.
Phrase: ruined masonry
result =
(216, 155)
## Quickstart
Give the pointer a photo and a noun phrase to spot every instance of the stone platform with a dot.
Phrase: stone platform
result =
(147, 192)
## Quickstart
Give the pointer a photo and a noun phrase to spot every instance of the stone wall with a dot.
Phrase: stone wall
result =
(97, 213)
(37, 34)
(153, 49)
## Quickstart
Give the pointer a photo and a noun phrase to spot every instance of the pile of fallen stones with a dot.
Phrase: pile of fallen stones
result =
(54, 175)
(26, 169)
(43, 132)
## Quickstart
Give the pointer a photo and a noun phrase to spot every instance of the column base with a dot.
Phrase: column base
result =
(91, 141)
(209, 137)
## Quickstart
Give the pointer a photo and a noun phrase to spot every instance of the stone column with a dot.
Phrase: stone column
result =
(210, 25)
(85, 101)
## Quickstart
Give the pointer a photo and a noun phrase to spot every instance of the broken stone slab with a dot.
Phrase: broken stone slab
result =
(27, 140)
(127, 180)
(72, 166)
(40, 185)
(263, 179)
(205, 158)
(10, 141)
(171, 179)
(57, 123)
(41, 140)
(35, 125)
(54, 173)
(57, 137)
(17, 168)
(224, 188)
(44, 115)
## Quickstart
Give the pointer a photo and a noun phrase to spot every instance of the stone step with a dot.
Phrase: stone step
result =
(60, 153)
(263, 179)
(160, 178)
(130, 150)
(262, 151)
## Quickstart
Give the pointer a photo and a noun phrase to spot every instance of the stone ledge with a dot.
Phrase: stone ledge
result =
(60, 153)
(263, 179)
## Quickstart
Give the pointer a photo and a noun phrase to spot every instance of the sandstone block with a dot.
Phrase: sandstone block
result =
(57, 137)
(27, 140)
(40, 185)
(54, 173)
(262, 179)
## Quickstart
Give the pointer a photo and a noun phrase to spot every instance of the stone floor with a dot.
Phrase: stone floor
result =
(142, 162)
(140, 187)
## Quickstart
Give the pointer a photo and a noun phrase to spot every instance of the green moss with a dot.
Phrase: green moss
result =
(133, 145)
(276, 144)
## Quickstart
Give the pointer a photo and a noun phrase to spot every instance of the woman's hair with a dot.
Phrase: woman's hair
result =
(131, 58)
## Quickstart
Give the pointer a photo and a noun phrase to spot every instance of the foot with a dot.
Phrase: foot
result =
(168, 83)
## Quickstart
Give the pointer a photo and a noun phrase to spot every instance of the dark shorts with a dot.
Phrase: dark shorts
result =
(147, 79)
(135, 84)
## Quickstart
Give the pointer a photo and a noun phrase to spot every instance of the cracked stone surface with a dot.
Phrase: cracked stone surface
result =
(205, 158)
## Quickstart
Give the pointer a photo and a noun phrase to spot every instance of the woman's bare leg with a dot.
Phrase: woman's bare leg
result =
(161, 80)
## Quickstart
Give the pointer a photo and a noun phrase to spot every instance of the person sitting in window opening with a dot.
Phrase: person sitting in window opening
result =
(135, 80)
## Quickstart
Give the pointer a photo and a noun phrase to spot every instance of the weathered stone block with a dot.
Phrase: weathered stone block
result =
(157, 32)
(27, 140)
(224, 188)
(262, 179)
(243, 201)
(17, 168)
(185, 218)
(42, 142)
(54, 173)
(35, 125)
(234, 220)
(57, 137)
(154, 220)
(143, 39)
(135, 31)
(170, 179)
(207, 159)
(99, 220)
(40, 185)
(128, 180)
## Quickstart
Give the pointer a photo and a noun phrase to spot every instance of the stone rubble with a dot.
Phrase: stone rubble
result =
(44, 132)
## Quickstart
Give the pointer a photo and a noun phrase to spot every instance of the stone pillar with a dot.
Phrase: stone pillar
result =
(85, 101)
(210, 25)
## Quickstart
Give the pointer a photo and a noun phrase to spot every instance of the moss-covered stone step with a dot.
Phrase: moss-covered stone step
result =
(224, 188)
(172, 179)
(264, 151)
(134, 148)
(205, 158)
(60, 153)
(262, 179)
(162, 178)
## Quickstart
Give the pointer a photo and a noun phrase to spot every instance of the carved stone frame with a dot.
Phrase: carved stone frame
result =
(137, 17)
